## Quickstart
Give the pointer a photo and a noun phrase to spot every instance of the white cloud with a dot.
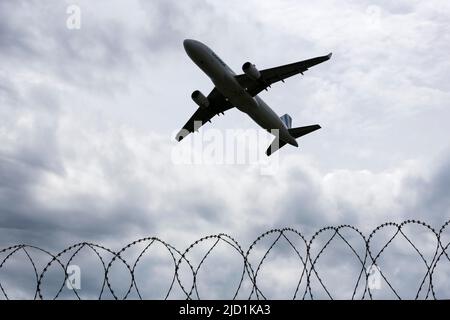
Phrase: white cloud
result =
(85, 145)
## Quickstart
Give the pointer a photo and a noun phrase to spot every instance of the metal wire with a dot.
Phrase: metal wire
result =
(188, 265)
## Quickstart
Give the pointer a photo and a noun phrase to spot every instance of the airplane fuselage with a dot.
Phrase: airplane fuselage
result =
(224, 80)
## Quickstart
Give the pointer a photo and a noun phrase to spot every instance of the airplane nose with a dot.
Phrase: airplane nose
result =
(188, 44)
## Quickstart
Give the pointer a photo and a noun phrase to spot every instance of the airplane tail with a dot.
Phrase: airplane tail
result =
(294, 132)
(287, 120)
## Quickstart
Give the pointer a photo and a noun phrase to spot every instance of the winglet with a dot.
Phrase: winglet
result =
(329, 55)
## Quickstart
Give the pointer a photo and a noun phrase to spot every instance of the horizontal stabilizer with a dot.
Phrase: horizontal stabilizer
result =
(295, 132)
(301, 131)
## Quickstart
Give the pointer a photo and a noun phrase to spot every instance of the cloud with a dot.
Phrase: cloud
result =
(85, 145)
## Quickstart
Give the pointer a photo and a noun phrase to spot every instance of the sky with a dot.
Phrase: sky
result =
(89, 115)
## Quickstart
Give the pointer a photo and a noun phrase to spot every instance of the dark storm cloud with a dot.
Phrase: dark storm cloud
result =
(300, 203)
(65, 179)
(14, 39)
(433, 200)
(163, 14)
(438, 199)
(21, 210)
(35, 38)
(52, 222)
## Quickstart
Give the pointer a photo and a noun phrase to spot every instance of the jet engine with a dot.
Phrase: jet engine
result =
(251, 71)
(200, 99)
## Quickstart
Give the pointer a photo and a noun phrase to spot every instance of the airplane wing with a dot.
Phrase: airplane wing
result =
(217, 105)
(272, 75)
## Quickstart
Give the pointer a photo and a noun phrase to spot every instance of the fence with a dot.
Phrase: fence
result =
(370, 265)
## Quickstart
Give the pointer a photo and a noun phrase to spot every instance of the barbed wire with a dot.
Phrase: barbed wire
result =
(370, 266)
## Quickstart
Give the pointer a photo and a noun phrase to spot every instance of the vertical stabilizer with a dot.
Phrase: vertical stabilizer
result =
(287, 120)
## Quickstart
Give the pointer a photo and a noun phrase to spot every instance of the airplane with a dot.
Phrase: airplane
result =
(241, 91)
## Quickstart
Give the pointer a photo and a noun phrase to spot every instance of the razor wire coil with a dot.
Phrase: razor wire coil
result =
(308, 253)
